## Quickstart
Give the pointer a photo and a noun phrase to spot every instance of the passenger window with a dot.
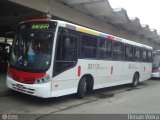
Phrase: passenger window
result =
(118, 50)
(144, 55)
(102, 43)
(89, 46)
(149, 56)
(108, 49)
(67, 48)
(137, 54)
(102, 48)
(129, 53)
(66, 52)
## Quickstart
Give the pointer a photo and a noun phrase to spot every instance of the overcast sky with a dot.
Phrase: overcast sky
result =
(148, 11)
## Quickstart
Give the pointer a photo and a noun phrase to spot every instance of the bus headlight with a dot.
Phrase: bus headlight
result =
(44, 79)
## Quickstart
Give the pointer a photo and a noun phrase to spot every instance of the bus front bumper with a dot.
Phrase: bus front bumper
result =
(156, 75)
(39, 90)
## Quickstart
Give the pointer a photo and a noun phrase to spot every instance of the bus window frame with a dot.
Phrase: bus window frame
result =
(140, 50)
(125, 54)
(81, 39)
(122, 57)
(59, 29)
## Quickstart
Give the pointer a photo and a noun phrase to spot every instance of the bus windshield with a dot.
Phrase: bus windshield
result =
(32, 49)
(156, 59)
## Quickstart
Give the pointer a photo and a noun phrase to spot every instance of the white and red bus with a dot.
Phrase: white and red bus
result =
(52, 58)
(156, 64)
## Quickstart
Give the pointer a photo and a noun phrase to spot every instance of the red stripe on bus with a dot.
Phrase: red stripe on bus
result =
(111, 70)
(79, 71)
(154, 69)
(37, 19)
(111, 37)
(24, 77)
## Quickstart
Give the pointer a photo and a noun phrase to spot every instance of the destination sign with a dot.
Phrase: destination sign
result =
(38, 25)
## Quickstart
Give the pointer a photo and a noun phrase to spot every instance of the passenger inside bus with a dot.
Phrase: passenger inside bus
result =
(42, 52)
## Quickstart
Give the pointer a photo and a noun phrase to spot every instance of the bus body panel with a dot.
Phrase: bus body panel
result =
(129, 70)
(65, 83)
(101, 72)
(145, 71)
(105, 73)
(156, 75)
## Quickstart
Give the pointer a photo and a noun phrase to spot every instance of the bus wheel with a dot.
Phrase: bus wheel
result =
(82, 88)
(135, 80)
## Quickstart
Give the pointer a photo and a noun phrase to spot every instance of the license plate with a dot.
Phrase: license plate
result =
(19, 86)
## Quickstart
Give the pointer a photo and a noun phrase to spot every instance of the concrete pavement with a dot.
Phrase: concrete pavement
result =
(142, 100)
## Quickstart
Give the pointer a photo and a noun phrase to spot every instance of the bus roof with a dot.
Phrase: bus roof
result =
(90, 31)
(98, 33)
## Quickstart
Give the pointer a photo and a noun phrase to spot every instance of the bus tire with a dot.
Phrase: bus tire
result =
(135, 80)
(82, 88)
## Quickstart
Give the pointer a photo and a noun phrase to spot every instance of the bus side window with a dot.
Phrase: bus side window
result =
(149, 56)
(66, 53)
(129, 53)
(144, 55)
(102, 48)
(67, 48)
(89, 46)
(137, 54)
(108, 49)
(117, 50)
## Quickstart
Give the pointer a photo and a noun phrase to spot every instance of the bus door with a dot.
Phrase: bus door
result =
(64, 70)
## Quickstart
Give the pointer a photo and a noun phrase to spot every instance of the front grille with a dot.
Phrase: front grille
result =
(23, 79)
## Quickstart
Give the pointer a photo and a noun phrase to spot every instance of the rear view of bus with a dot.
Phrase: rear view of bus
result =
(156, 64)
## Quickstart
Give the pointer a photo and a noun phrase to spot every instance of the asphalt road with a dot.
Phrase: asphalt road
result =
(123, 99)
